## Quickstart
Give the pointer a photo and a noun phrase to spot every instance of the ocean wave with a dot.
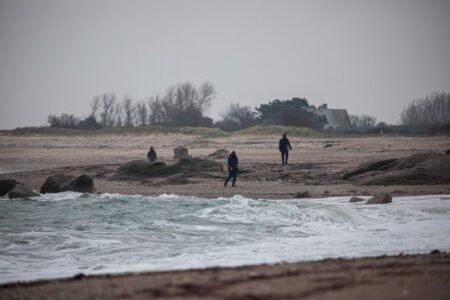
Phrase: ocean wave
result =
(67, 233)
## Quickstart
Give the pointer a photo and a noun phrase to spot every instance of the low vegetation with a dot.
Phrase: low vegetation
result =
(145, 130)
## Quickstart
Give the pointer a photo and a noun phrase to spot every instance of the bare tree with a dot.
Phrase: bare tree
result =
(118, 114)
(128, 110)
(362, 121)
(243, 115)
(64, 121)
(141, 113)
(107, 114)
(207, 92)
(95, 105)
(190, 103)
(155, 110)
(429, 111)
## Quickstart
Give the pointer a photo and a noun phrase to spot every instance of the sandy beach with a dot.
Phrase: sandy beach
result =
(316, 165)
(312, 167)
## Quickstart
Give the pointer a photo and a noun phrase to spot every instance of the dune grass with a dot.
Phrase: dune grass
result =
(279, 130)
(144, 130)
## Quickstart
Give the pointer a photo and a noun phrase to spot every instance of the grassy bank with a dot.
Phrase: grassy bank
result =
(46, 131)
(259, 130)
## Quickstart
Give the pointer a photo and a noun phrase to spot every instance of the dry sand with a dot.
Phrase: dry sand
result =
(313, 168)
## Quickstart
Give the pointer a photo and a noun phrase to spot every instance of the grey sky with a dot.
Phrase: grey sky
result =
(371, 57)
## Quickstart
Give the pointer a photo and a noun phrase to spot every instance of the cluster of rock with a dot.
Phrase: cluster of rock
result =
(53, 184)
(219, 154)
(68, 183)
(377, 199)
(420, 168)
(176, 173)
(190, 166)
(180, 152)
(14, 190)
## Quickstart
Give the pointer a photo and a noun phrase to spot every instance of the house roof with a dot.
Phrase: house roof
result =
(336, 118)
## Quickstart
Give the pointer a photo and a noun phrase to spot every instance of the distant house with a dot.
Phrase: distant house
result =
(336, 118)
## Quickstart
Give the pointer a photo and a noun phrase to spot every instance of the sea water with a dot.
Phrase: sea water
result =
(60, 235)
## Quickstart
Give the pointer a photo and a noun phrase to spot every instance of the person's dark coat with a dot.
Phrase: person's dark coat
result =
(284, 145)
(232, 163)
(232, 168)
(151, 155)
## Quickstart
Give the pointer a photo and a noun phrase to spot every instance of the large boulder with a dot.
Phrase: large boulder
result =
(55, 183)
(21, 191)
(419, 168)
(180, 152)
(82, 184)
(65, 183)
(370, 167)
(356, 199)
(380, 199)
(304, 194)
(6, 185)
(219, 154)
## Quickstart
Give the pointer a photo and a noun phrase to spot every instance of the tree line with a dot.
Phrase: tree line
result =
(184, 104)
(432, 110)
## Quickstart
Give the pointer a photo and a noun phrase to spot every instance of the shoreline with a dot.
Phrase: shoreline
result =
(387, 277)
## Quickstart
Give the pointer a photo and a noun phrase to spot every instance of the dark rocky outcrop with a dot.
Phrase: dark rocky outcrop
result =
(447, 152)
(141, 168)
(82, 184)
(6, 185)
(219, 154)
(380, 199)
(68, 183)
(55, 183)
(180, 152)
(190, 166)
(21, 191)
(356, 199)
(371, 166)
(420, 168)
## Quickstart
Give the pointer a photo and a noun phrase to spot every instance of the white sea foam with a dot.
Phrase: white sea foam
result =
(68, 233)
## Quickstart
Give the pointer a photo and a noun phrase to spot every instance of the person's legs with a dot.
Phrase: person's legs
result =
(286, 157)
(282, 157)
(231, 174)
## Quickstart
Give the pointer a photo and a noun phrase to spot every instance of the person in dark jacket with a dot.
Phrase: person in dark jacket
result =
(284, 147)
(232, 168)
(151, 155)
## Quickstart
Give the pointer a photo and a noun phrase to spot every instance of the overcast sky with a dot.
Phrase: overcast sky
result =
(370, 57)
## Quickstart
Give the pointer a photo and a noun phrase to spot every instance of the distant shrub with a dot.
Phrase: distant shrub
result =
(279, 130)
(142, 130)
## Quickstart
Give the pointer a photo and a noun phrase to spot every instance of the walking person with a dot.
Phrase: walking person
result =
(232, 168)
(284, 147)
(151, 155)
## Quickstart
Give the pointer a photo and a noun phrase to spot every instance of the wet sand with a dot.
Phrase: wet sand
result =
(313, 168)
